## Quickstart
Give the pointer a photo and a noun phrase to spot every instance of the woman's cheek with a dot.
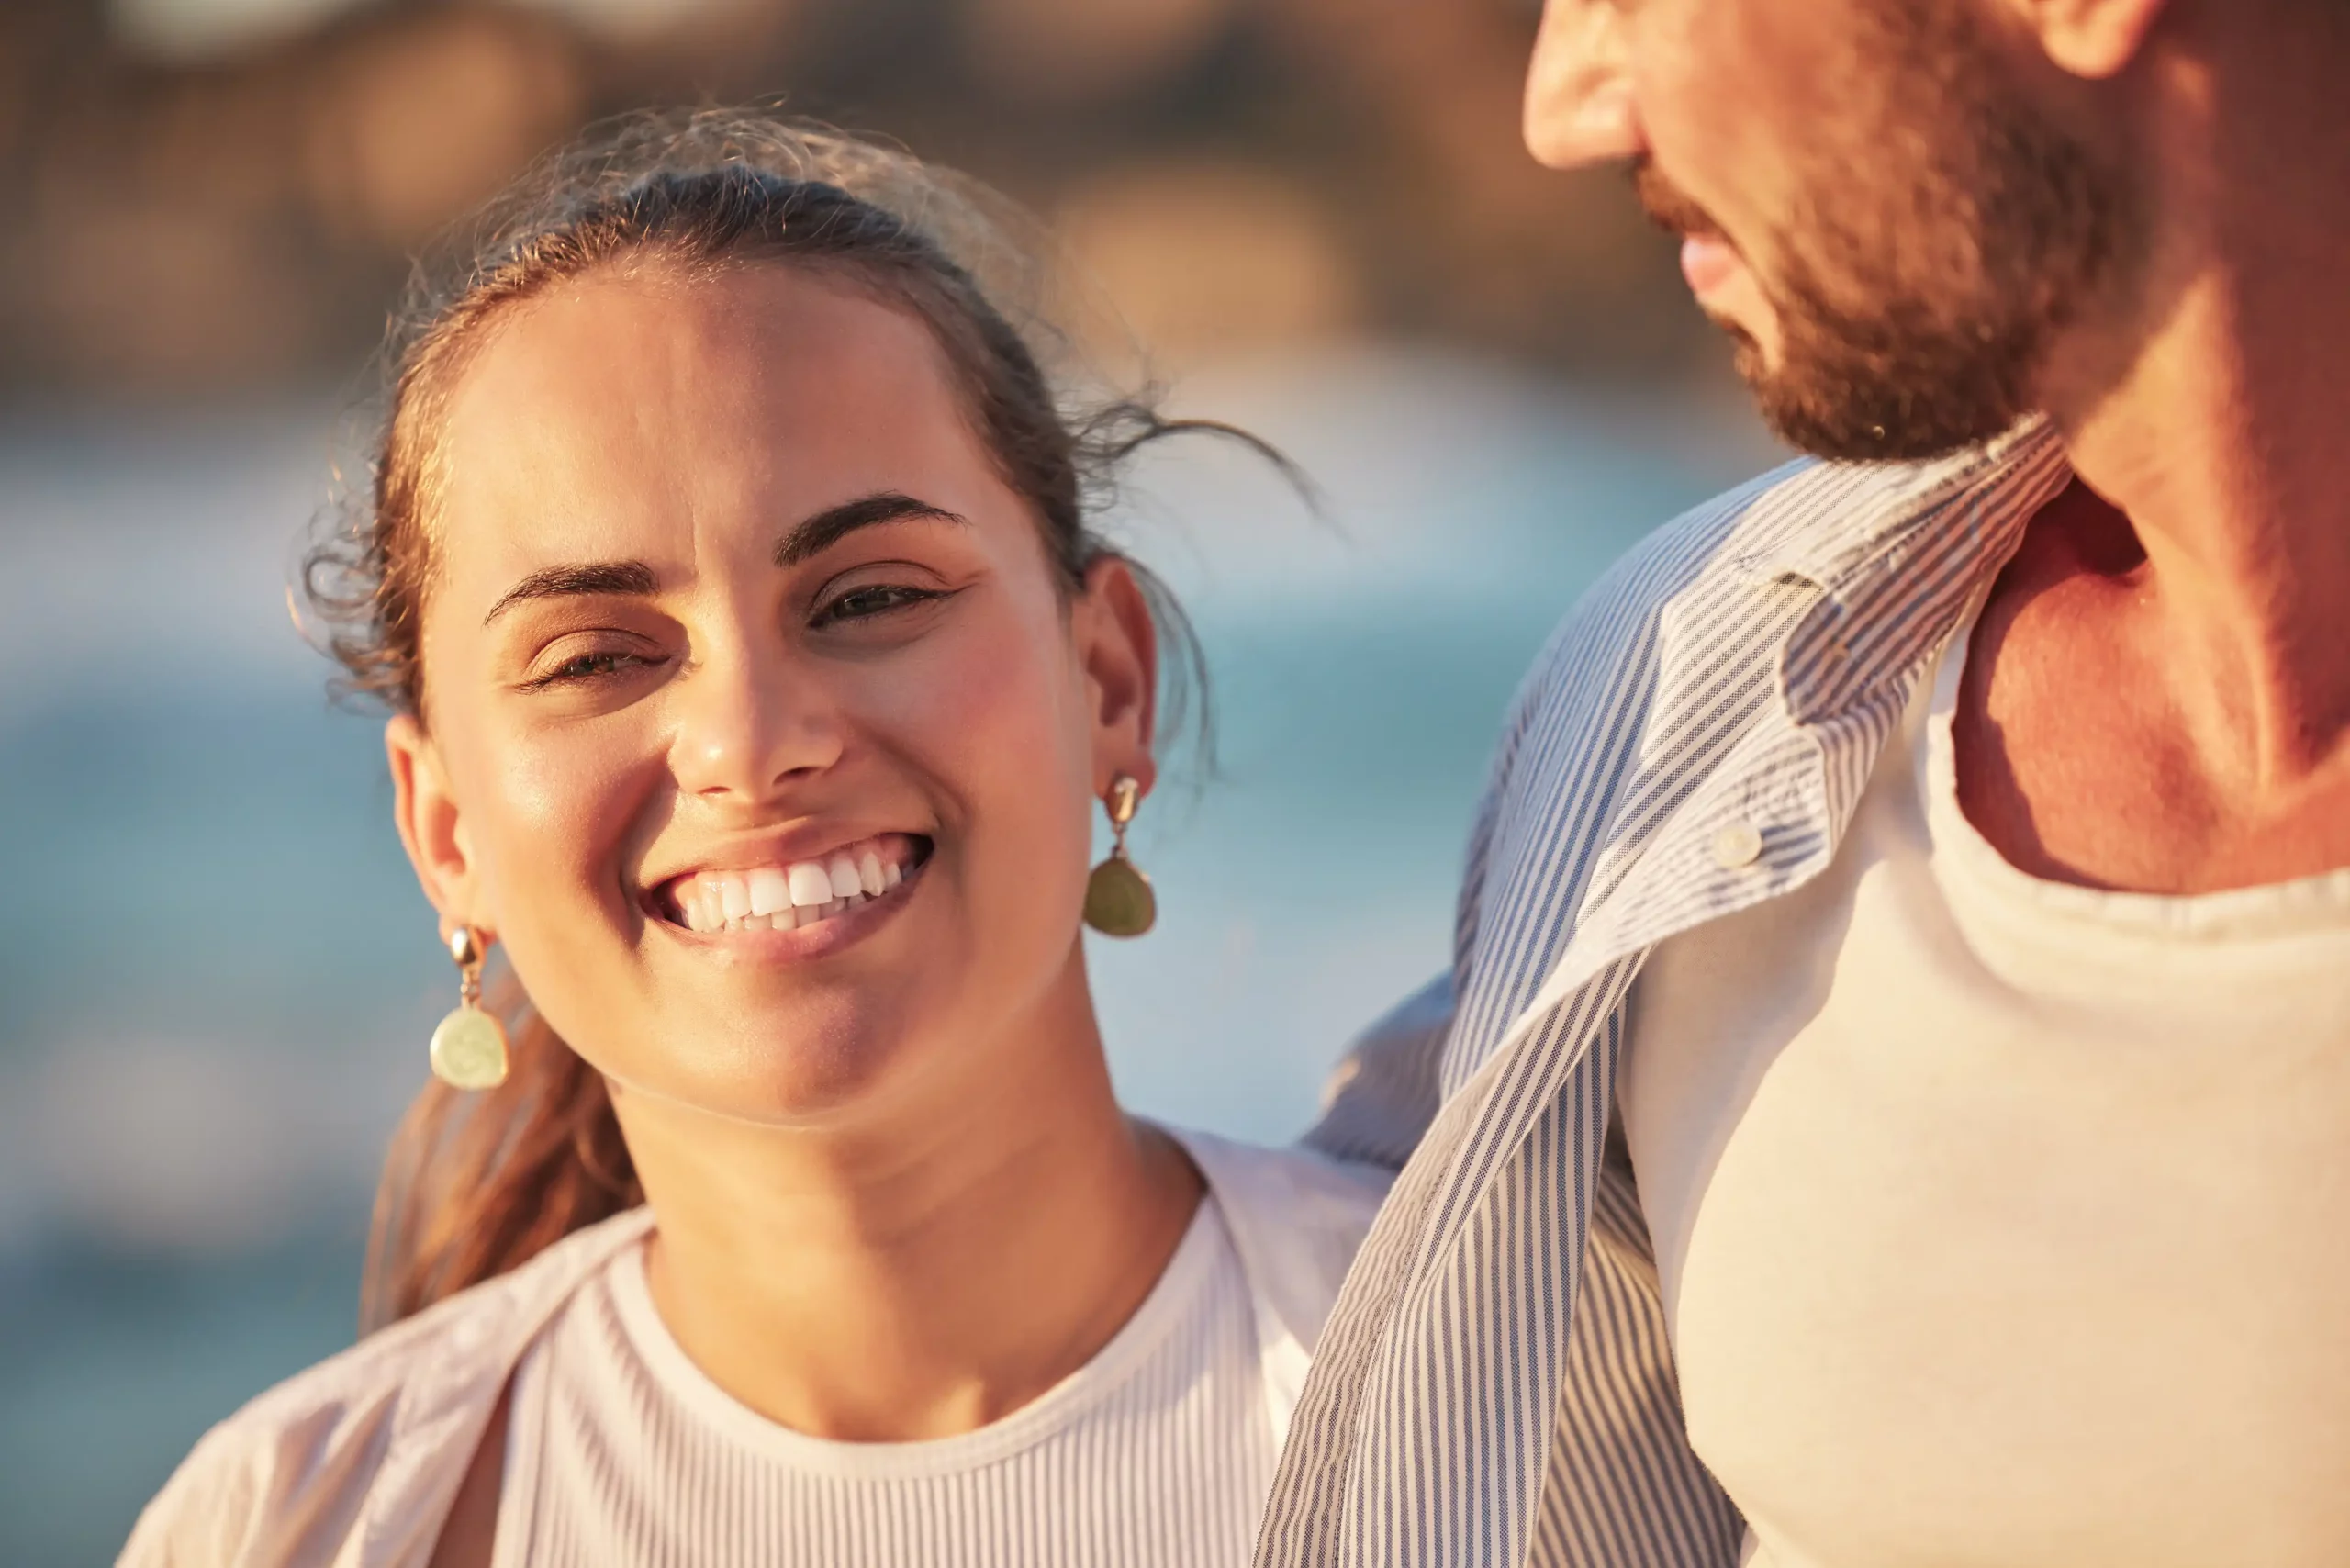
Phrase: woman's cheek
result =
(568, 799)
(976, 703)
(993, 717)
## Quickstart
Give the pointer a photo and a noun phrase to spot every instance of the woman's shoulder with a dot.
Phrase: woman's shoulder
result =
(1297, 1219)
(1292, 1189)
(290, 1477)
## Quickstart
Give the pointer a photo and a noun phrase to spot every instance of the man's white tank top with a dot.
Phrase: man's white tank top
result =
(2001, 1221)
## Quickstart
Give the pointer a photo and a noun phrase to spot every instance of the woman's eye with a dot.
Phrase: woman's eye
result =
(864, 603)
(587, 667)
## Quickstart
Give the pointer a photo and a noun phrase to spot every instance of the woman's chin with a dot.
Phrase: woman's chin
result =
(771, 1053)
(759, 1081)
(787, 1027)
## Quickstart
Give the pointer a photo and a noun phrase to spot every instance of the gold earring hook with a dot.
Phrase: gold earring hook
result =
(1118, 900)
(469, 952)
(468, 1050)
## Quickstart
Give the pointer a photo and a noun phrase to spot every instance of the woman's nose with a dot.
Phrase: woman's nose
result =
(749, 725)
(1579, 105)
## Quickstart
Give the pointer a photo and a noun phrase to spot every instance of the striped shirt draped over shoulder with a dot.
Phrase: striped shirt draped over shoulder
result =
(1493, 1387)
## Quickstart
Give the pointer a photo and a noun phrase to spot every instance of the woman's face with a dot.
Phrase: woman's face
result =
(760, 731)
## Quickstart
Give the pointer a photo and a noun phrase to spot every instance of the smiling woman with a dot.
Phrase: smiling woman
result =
(754, 673)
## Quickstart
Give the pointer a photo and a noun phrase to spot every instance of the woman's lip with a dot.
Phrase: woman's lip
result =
(1708, 262)
(805, 942)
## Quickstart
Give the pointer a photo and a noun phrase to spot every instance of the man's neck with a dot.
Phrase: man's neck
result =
(2215, 419)
(2230, 465)
(2160, 695)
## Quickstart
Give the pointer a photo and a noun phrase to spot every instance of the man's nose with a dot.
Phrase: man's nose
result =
(1579, 105)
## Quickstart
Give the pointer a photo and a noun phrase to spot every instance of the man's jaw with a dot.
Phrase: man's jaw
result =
(1716, 270)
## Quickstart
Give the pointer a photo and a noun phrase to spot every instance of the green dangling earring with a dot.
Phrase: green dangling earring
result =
(469, 1047)
(1118, 900)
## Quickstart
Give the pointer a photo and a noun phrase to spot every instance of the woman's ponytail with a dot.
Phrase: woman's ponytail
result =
(479, 1182)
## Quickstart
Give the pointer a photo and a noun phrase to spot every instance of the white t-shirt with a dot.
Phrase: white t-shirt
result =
(357, 1461)
(1157, 1453)
(2001, 1222)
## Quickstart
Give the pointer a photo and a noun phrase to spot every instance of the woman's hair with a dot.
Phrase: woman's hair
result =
(474, 1183)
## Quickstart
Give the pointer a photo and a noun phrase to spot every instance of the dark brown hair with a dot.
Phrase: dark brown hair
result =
(475, 1183)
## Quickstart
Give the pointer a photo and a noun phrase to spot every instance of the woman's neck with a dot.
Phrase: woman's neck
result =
(925, 1275)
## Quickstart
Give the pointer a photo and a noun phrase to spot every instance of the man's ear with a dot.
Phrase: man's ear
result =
(1117, 646)
(2091, 39)
(431, 828)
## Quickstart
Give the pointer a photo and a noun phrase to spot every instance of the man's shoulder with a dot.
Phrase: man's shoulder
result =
(1789, 512)
(1726, 559)
(287, 1474)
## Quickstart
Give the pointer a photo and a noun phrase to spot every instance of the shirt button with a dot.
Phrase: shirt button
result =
(1738, 845)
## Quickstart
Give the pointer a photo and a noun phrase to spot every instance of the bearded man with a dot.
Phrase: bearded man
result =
(1891, 1107)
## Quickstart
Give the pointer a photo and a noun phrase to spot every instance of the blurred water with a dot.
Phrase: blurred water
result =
(217, 975)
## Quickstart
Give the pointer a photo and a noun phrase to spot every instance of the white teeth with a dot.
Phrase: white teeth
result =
(770, 890)
(783, 897)
(810, 884)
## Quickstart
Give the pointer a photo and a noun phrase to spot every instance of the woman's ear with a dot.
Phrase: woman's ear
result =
(1117, 648)
(431, 828)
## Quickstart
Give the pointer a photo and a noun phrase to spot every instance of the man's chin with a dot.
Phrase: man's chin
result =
(1846, 409)
(1849, 421)
(1907, 381)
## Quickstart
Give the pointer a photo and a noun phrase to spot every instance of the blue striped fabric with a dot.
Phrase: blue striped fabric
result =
(1494, 1387)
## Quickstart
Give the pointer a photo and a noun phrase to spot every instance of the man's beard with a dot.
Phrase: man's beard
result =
(1917, 301)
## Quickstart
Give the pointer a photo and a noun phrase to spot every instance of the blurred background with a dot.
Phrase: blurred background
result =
(216, 974)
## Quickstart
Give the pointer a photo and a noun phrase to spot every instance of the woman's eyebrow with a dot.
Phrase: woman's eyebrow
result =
(633, 579)
(808, 537)
(813, 535)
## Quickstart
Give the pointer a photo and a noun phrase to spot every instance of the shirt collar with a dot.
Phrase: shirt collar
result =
(1903, 499)
(1895, 570)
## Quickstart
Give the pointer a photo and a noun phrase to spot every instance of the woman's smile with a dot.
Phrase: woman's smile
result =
(792, 907)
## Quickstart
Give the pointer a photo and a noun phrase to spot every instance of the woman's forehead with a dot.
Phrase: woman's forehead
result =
(764, 350)
(621, 407)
